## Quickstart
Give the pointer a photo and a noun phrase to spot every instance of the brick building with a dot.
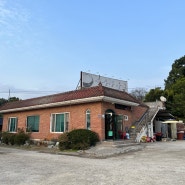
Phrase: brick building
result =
(107, 111)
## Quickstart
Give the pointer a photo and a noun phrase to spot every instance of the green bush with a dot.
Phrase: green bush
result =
(12, 138)
(79, 139)
(64, 143)
(18, 138)
(21, 137)
(6, 137)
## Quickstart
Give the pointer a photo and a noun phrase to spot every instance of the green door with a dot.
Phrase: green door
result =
(109, 126)
(118, 127)
(113, 126)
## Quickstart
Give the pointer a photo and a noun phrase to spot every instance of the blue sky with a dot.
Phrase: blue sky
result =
(45, 44)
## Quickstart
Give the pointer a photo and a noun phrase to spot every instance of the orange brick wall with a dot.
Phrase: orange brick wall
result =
(77, 118)
(137, 112)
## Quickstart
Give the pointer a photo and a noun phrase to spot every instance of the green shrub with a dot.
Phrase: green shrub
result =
(21, 137)
(79, 139)
(18, 138)
(6, 137)
(64, 143)
(12, 138)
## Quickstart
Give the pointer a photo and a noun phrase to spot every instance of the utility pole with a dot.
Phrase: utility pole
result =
(9, 95)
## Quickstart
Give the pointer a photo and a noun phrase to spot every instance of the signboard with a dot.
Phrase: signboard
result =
(91, 80)
(110, 133)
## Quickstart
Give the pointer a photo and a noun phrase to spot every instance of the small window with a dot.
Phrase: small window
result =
(59, 122)
(12, 125)
(33, 124)
(88, 119)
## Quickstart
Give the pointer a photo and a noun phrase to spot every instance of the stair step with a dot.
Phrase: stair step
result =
(119, 143)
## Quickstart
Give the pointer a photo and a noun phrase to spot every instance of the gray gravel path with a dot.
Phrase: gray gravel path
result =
(160, 163)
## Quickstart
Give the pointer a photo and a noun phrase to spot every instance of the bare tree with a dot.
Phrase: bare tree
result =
(139, 93)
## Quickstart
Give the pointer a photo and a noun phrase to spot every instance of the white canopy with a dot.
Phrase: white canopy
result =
(172, 121)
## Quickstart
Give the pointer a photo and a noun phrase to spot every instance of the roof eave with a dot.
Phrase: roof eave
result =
(72, 102)
(57, 104)
(119, 101)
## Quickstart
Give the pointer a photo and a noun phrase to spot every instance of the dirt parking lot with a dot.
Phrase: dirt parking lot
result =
(160, 163)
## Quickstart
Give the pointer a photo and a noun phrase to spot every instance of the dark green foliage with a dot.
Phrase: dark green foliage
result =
(177, 72)
(79, 139)
(174, 91)
(18, 138)
(154, 94)
(21, 137)
(64, 143)
(82, 138)
(3, 101)
(176, 100)
(175, 88)
(12, 99)
(6, 137)
(12, 138)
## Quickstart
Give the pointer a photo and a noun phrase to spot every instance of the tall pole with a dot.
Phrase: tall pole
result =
(9, 94)
(81, 80)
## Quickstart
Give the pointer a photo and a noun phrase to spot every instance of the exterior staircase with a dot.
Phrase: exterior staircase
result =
(143, 127)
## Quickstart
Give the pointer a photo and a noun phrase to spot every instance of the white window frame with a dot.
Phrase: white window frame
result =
(66, 122)
(88, 113)
(9, 124)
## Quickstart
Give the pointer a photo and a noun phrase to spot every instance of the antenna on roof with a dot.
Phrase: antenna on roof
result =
(79, 85)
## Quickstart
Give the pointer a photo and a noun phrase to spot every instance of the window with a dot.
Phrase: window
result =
(123, 107)
(33, 124)
(12, 125)
(59, 122)
(88, 119)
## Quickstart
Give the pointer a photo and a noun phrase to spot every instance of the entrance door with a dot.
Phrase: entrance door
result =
(119, 127)
(113, 125)
(109, 125)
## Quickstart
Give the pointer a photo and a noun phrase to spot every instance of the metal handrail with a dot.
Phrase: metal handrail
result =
(142, 123)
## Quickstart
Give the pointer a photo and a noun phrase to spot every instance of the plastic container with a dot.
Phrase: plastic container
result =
(180, 135)
(158, 136)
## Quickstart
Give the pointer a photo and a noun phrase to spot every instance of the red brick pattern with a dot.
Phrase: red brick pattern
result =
(77, 118)
(77, 112)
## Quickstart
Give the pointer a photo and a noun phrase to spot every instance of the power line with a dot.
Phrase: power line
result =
(27, 91)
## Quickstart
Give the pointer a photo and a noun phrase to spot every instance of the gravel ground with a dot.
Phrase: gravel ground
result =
(160, 163)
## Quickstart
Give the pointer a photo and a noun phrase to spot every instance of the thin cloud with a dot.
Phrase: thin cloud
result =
(12, 21)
